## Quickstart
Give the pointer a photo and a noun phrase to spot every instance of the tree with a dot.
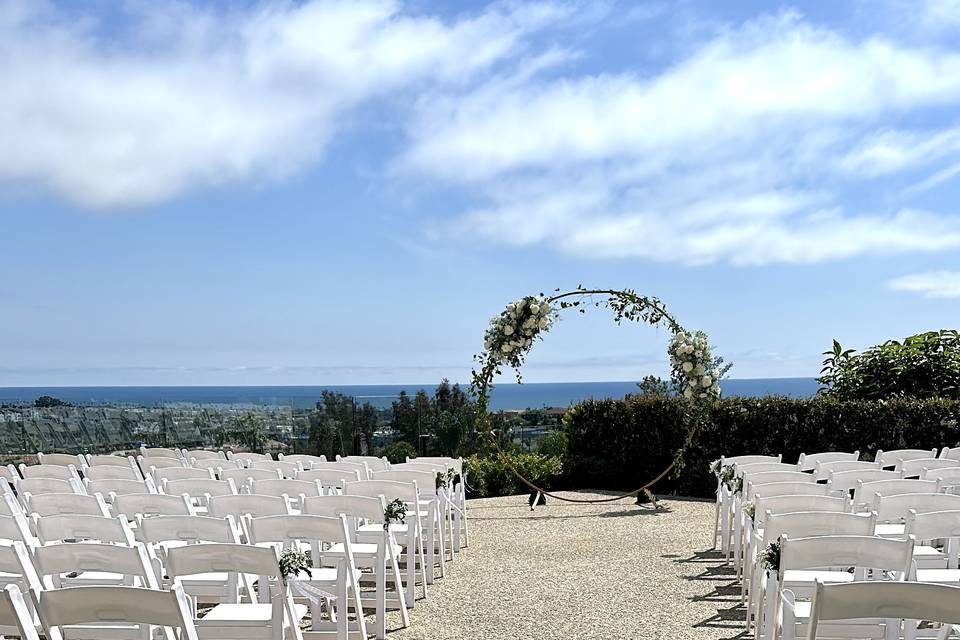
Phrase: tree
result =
(398, 452)
(44, 402)
(245, 430)
(338, 423)
(926, 365)
(654, 386)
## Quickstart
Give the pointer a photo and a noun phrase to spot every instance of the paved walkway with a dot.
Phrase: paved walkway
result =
(582, 571)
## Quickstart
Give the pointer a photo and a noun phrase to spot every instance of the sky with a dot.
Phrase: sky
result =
(333, 192)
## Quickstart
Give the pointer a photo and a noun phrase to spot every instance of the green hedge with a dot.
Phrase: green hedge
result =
(620, 444)
(490, 476)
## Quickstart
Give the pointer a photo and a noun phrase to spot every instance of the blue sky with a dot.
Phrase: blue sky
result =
(344, 192)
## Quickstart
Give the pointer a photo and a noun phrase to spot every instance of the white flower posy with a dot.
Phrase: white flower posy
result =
(512, 332)
(693, 366)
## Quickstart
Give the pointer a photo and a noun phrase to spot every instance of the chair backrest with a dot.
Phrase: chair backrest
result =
(253, 505)
(330, 477)
(201, 454)
(84, 527)
(192, 529)
(846, 481)
(95, 460)
(13, 528)
(743, 470)
(168, 611)
(246, 456)
(426, 480)
(895, 508)
(419, 466)
(373, 463)
(111, 472)
(865, 495)
(794, 503)
(937, 525)
(457, 463)
(52, 560)
(52, 504)
(15, 613)
(892, 458)
(36, 486)
(242, 477)
(160, 452)
(199, 487)
(860, 552)
(305, 460)
(159, 463)
(360, 467)
(285, 469)
(9, 473)
(806, 524)
(948, 476)
(179, 473)
(916, 467)
(133, 505)
(809, 461)
(64, 459)
(281, 486)
(823, 469)
(805, 488)
(950, 453)
(49, 471)
(886, 601)
(391, 490)
(222, 557)
(754, 481)
(214, 464)
(369, 508)
(724, 460)
(300, 528)
(117, 487)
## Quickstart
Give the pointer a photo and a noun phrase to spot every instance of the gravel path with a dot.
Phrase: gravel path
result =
(581, 571)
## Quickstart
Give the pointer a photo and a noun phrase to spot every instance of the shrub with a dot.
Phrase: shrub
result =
(620, 444)
(552, 443)
(398, 452)
(490, 476)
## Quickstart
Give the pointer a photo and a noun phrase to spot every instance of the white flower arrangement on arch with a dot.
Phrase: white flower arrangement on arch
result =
(695, 372)
(512, 332)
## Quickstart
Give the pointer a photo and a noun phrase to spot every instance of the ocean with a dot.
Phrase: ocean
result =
(504, 396)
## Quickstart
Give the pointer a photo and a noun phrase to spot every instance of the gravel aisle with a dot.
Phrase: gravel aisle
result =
(581, 571)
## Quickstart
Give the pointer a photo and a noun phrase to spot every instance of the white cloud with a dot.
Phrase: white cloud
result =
(932, 284)
(736, 153)
(183, 98)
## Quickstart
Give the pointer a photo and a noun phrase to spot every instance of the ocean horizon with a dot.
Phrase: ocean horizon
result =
(504, 396)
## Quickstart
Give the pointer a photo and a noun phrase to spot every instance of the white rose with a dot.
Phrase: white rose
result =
(688, 393)
(699, 354)
(715, 388)
(534, 308)
(543, 323)
(699, 369)
(703, 395)
(507, 347)
(681, 336)
(687, 367)
(706, 381)
(508, 330)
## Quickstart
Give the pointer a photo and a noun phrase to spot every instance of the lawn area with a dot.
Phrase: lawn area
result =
(568, 570)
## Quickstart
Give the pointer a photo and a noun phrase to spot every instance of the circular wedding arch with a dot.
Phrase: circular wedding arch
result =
(694, 372)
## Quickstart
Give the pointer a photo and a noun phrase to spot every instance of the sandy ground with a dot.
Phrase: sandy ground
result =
(581, 571)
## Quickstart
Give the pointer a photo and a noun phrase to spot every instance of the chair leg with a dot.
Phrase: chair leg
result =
(398, 585)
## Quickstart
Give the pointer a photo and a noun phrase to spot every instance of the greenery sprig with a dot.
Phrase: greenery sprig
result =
(770, 556)
(750, 509)
(293, 563)
(444, 479)
(395, 513)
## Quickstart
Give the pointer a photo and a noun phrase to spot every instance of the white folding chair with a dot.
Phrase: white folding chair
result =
(285, 469)
(242, 477)
(201, 454)
(305, 461)
(200, 490)
(948, 477)
(805, 561)
(892, 511)
(409, 534)
(929, 529)
(163, 533)
(950, 453)
(722, 509)
(246, 457)
(865, 495)
(49, 471)
(295, 490)
(94, 460)
(136, 506)
(214, 464)
(26, 489)
(271, 620)
(247, 506)
(382, 556)
(459, 495)
(331, 480)
(136, 613)
(881, 610)
(373, 463)
(179, 473)
(809, 461)
(801, 524)
(112, 488)
(74, 565)
(160, 452)
(892, 458)
(751, 481)
(360, 467)
(329, 543)
(844, 482)
(434, 513)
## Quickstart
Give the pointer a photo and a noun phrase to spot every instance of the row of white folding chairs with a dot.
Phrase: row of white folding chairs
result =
(115, 530)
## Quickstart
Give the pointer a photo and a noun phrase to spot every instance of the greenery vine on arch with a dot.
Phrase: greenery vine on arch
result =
(695, 373)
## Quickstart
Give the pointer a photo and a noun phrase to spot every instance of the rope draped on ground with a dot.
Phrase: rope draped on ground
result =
(512, 333)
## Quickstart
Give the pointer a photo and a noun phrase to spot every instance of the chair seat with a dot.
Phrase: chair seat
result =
(378, 528)
(325, 575)
(244, 615)
(939, 576)
(893, 530)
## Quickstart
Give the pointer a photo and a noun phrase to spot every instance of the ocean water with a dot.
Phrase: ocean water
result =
(504, 396)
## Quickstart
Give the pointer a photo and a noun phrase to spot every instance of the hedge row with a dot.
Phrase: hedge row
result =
(620, 444)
